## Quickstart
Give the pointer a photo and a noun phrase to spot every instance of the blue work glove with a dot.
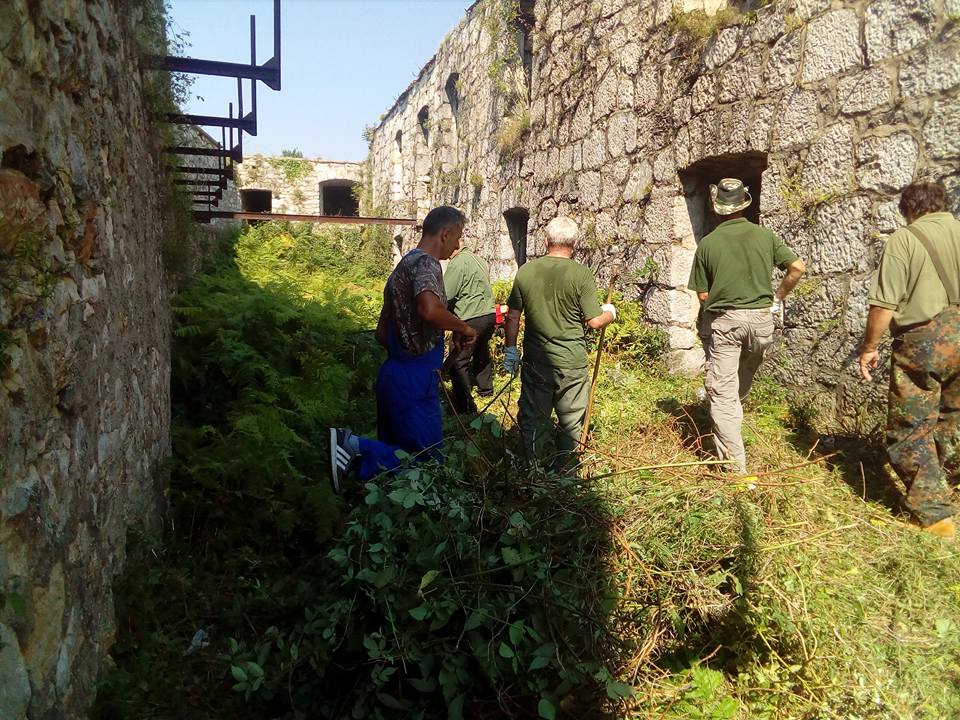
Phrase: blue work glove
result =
(511, 360)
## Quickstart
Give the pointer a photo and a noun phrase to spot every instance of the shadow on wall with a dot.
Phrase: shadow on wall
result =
(697, 178)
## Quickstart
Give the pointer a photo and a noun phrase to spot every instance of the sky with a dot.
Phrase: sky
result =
(344, 62)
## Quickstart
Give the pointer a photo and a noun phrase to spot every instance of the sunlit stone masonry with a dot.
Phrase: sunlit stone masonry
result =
(621, 113)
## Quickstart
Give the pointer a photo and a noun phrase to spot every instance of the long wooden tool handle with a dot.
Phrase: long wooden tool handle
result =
(596, 371)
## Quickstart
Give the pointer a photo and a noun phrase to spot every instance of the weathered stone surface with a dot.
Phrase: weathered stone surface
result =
(930, 71)
(622, 135)
(640, 183)
(839, 237)
(14, 683)
(864, 91)
(784, 61)
(896, 26)
(887, 163)
(888, 217)
(829, 166)
(722, 48)
(806, 9)
(740, 79)
(797, 119)
(941, 135)
(832, 45)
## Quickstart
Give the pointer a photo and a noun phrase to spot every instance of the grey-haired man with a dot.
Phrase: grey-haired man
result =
(731, 276)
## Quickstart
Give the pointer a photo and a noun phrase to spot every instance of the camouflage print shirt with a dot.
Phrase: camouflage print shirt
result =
(417, 272)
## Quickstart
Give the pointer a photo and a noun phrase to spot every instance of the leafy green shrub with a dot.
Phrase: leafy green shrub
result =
(510, 136)
(414, 613)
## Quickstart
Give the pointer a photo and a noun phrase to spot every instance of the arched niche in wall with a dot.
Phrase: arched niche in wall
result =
(337, 198)
(453, 92)
(698, 177)
(423, 120)
(398, 142)
(517, 219)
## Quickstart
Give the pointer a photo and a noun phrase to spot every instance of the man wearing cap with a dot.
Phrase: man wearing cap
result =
(916, 288)
(469, 297)
(731, 276)
(558, 297)
(411, 325)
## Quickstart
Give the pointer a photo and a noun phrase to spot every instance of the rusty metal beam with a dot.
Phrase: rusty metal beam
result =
(207, 215)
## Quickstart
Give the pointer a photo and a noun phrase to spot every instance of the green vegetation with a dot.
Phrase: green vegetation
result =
(693, 28)
(512, 132)
(476, 181)
(484, 587)
(294, 168)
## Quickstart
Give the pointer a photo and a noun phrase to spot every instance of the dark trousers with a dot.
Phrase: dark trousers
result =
(471, 366)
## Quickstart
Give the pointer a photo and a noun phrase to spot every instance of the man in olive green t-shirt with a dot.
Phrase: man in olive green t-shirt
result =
(731, 276)
(558, 297)
(469, 297)
(916, 288)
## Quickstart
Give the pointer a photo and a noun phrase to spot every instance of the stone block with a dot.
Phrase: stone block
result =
(685, 362)
(855, 311)
(840, 236)
(740, 80)
(630, 57)
(704, 93)
(588, 186)
(886, 163)
(640, 182)
(622, 134)
(887, 217)
(771, 23)
(595, 149)
(681, 338)
(931, 70)
(672, 307)
(941, 135)
(722, 48)
(832, 45)
(893, 27)
(864, 91)
(15, 691)
(829, 165)
(806, 9)
(784, 60)
(664, 167)
(797, 119)
(605, 96)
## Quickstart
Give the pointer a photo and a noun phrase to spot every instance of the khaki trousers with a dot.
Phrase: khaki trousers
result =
(736, 342)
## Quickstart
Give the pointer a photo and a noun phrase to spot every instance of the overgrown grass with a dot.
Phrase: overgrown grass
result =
(486, 587)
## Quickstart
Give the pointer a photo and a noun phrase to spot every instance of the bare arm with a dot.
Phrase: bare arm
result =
(795, 271)
(878, 322)
(435, 313)
(601, 320)
(511, 327)
(381, 332)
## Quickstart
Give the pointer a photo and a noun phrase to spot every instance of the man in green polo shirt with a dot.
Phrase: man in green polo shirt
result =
(916, 289)
(558, 297)
(731, 276)
(469, 297)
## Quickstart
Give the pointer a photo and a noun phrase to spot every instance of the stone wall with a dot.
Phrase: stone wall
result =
(296, 184)
(827, 109)
(84, 341)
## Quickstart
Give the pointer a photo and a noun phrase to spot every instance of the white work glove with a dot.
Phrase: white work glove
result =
(777, 308)
(607, 307)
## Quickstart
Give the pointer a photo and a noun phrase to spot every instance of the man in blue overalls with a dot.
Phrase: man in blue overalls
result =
(411, 326)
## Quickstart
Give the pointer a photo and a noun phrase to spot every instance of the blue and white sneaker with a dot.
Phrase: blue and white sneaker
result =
(343, 460)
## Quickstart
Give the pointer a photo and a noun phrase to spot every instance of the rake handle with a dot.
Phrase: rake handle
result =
(596, 371)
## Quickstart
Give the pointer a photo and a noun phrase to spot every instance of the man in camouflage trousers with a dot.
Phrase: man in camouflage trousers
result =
(917, 289)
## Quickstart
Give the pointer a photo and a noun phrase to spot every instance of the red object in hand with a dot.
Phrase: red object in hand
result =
(500, 312)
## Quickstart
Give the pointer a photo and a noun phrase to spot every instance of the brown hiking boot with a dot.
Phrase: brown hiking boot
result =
(945, 528)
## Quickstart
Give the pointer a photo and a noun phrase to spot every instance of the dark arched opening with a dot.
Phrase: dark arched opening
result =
(697, 178)
(423, 120)
(453, 92)
(517, 220)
